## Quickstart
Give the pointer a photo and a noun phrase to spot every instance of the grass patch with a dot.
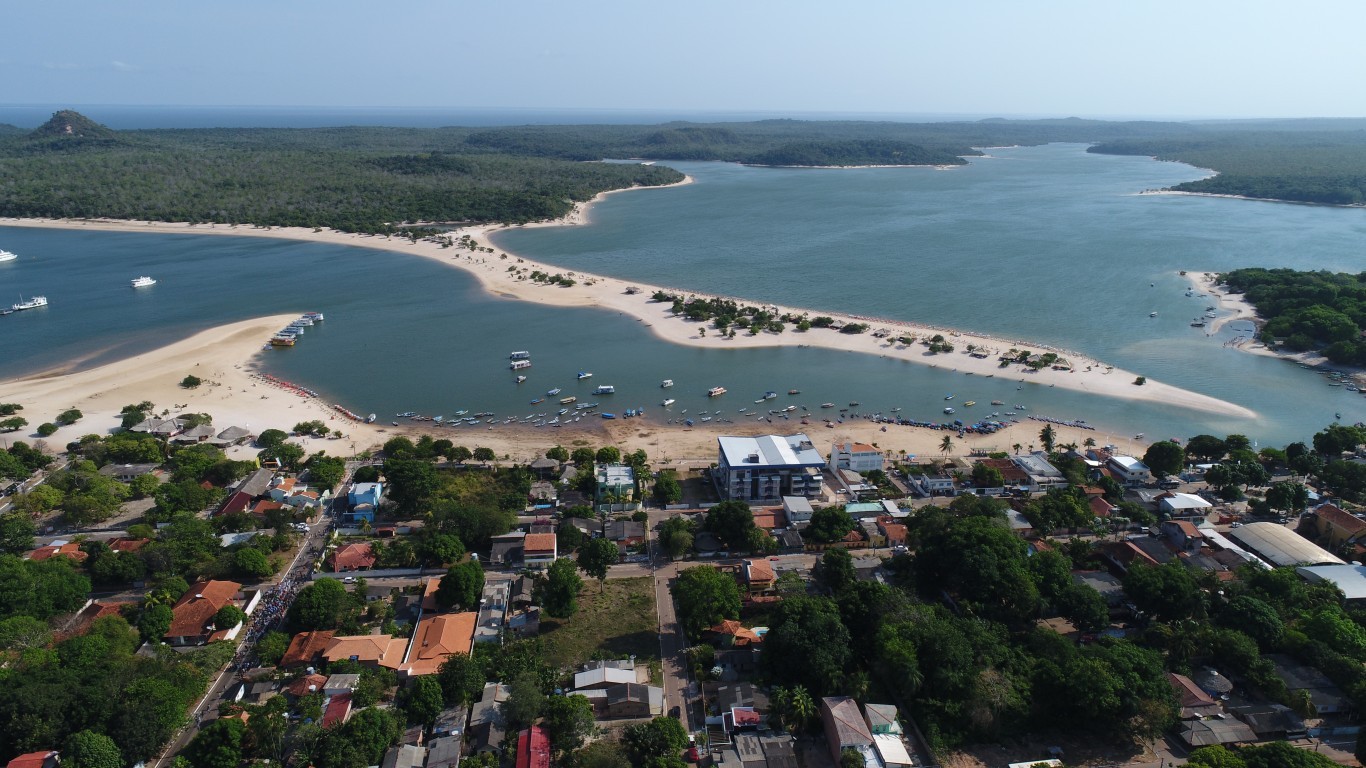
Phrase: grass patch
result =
(619, 622)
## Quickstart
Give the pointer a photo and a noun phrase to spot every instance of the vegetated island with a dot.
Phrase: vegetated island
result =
(387, 180)
(1298, 311)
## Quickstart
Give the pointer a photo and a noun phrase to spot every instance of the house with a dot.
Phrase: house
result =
(1100, 507)
(616, 489)
(881, 718)
(92, 612)
(256, 484)
(603, 677)
(845, 728)
(339, 684)
(364, 499)
(230, 437)
(1129, 471)
(759, 576)
(751, 752)
(770, 518)
(791, 540)
(797, 509)
(404, 756)
(306, 648)
(337, 711)
(533, 748)
(891, 751)
(1195, 702)
(68, 549)
(1040, 474)
(437, 637)
(352, 557)
(197, 434)
(127, 473)
(371, 650)
(856, 457)
(1211, 731)
(45, 758)
(893, 533)
(626, 701)
(1328, 698)
(543, 493)
(507, 549)
(486, 719)
(451, 721)
(731, 634)
(589, 528)
(1332, 527)
(444, 752)
(1109, 586)
(166, 428)
(539, 550)
(626, 533)
(767, 468)
(1183, 505)
(1182, 535)
(300, 687)
(779, 751)
(193, 613)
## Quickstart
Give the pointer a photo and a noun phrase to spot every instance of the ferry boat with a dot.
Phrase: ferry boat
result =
(520, 355)
(568, 400)
(8, 255)
(554, 392)
(585, 375)
(716, 391)
(33, 303)
(518, 365)
(604, 389)
(316, 317)
(143, 282)
(665, 384)
(668, 402)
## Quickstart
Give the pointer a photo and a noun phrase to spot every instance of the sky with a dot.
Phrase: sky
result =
(1142, 58)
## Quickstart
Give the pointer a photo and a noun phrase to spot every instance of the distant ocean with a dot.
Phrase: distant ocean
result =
(126, 117)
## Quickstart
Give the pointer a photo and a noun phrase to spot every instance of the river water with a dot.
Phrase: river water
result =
(1048, 244)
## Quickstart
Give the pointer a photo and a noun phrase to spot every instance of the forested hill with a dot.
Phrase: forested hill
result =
(1324, 311)
(1308, 166)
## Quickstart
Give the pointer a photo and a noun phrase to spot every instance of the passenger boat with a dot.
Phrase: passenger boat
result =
(948, 410)
(668, 402)
(998, 402)
(604, 389)
(8, 255)
(665, 384)
(518, 365)
(370, 419)
(33, 303)
(716, 391)
(769, 395)
(554, 392)
(585, 375)
(143, 282)
(316, 317)
(520, 355)
(568, 400)
(282, 341)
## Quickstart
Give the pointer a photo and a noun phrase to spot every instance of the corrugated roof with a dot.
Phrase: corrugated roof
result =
(1282, 546)
(771, 451)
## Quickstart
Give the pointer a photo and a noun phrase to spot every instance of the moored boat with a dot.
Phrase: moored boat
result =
(716, 391)
(585, 374)
(282, 341)
(668, 402)
(521, 379)
(520, 355)
(554, 392)
(568, 400)
(518, 365)
(665, 384)
(604, 389)
(8, 255)
(143, 282)
(33, 302)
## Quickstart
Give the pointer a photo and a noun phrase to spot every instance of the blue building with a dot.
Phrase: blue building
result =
(364, 499)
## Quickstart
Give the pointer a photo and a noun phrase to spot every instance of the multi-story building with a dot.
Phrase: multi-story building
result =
(765, 469)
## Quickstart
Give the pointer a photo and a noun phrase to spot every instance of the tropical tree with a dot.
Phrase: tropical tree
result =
(705, 597)
(1048, 437)
(946, 445)
(596, 556)
(559, 589)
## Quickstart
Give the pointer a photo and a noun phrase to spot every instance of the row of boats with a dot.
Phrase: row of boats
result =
(290, 334)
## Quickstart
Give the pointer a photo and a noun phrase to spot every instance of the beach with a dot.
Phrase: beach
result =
(507, 275)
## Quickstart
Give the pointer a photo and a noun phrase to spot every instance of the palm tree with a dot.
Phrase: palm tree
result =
(800, 706)
(1089, 442)
(946, 445)
(1017, 447)
(1047, 436)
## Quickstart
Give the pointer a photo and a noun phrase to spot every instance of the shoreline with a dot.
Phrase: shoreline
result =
(1087, 375)
(1227, 196)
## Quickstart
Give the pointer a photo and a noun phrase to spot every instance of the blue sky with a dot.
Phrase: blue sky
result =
(1159, 58)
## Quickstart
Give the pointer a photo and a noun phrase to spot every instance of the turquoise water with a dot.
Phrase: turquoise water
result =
(1048, 244)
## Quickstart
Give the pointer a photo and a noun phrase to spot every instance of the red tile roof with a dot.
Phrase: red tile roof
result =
(70, 549)
(338, 710)
(438, 637)
(34, 760)
(123, 544)
(238, 502)
(1099, 506)
(1336, 517)
(759, 572)
(195, 609)
(381, 650)
(769, 518)
(538, 542)
(92, 613)
(533, 748)
(352, 557)
(306, 685)
(1188, 528)
(305, 647)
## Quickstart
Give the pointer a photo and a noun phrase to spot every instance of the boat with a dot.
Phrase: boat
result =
(970, 403)
(562, 411)
(33, 303)
(665, 384)
(1197, 323)
(316, 317)
(827, 405)
(538, 401)
(568, 400)
(145, 281)
(8, 255)
(518, 365)
(604, 389)
(948, 397)
(853, 403)
(794, 391)
(948, 410)
(668, 402)
(609, 415)
(769, 395)
(282, 341)
(1138, 436)
(521, 379)
(1152, 314)
(462, 412)
(304, 321)
(585, 375)
(554, 392)
(716, 391)
(998, 402)
(520, 355)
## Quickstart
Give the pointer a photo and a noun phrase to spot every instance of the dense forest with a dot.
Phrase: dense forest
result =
(1303, 311)
(367, 179)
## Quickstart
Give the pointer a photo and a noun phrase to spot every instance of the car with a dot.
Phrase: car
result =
(1235, 525)
(349, 580)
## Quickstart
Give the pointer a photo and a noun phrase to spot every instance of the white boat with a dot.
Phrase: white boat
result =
(33, 303)
(8, 255)
(948, 410)
(518, 365)
(716, 391)
(604, 389)
(670, 401)
(666, 383)
(316, 317)
(521, 379)
(585, 375)
(370, 419)
(554, 392)
(521, 355)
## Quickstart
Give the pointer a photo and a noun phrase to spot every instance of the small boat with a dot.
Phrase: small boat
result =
(521, 379)
(518, 365)
(520, 355)
(8, 255)
(554, 392)
(948, 410)
(568, 400)
(769, 395)
(538, 401)
(604, 389)
(282, 341)
(665, 384)
(853, 404)
(609, 415)
(948, 397)
(1138, 436)
(462, 412)
(998, 402)
(1197, 323)
(827, 405)
(970, 403)
(370, 419)
(1152, 314)
(563, 411)
(668, 402)
(145, 281)
(794, 391)
(716, 391)
(585, 375)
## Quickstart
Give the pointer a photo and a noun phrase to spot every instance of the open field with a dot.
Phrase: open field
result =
(617, 623)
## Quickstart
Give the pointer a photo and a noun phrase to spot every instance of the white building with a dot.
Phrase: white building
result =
(1130, 471)
(859, 457)
(1183, 505)
(797, 509)
(765, 469)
